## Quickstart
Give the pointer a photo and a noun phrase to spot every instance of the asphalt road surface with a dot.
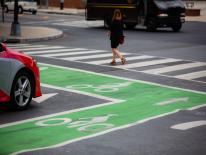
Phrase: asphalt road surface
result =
(163, 68)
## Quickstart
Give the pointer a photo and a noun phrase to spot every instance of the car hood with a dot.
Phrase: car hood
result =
(169, 4)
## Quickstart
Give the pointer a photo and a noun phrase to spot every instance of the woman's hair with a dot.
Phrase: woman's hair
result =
(117, 14)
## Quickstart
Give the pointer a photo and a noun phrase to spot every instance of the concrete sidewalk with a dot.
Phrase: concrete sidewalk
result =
(29, 33)
(65, 11)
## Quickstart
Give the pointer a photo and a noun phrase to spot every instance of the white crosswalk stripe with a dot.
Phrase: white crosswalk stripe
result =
(100, 62)
(55, 51)
(40, 48)
(80, 23)
(89, 56)
(73, 53)
(193, 75)
(176, 68)
(149, 63)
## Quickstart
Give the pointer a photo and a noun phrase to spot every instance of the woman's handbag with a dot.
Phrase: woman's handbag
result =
(121, 39)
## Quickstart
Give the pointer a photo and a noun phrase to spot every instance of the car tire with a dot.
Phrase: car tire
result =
(6, 9)
(130, 26)
(107, 22)
(22, 90)
(20, 9)
(176, 27)
(151, 25)
(34, 12)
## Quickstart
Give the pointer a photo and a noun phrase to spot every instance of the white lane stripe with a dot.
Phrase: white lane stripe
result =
(89, 57)
(148, 63)
(189, 125)
(17, 45)
(70, 24)
(129, 58)
(28, 46)
(175, 68)
(41, 48)
(73, 53)
(193, 75)
(56, 51)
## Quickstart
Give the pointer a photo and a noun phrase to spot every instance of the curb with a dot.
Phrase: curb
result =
(61, 13)
(30, 34)
(30, 40)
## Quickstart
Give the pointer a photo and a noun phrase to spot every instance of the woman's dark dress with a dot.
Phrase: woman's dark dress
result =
(116, 30)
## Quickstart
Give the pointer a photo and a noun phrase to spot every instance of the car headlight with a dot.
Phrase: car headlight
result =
(163, 15)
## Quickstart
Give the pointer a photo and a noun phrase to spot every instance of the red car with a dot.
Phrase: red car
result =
(19, 78)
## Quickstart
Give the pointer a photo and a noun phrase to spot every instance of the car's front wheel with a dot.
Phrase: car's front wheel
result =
(176, 27)
(20, 9)
(22, 90)
(6, 9)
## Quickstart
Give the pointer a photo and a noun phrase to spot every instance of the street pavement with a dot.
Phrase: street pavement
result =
(101, 109)
(34, 34)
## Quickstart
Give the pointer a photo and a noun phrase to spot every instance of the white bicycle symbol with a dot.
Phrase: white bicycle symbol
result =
(89, 124)
(109, 87)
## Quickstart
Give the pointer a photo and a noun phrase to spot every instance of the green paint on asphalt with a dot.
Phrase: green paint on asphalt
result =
(139, 103)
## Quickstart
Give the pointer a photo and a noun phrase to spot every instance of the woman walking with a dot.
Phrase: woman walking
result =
(116, 35)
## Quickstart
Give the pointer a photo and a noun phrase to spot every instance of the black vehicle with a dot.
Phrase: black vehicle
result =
(149, 13)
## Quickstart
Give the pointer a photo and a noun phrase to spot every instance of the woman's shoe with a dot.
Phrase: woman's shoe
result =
(113, 62)
(123, 60)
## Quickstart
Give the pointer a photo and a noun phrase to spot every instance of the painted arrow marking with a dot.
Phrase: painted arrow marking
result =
(189, 125)
(173, 100)
(44, 97)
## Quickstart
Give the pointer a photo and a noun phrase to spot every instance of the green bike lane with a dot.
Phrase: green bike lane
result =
(137, 102)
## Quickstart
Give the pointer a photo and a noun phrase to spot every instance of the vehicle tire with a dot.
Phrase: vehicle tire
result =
(21, 10)
(34, 12)
(107, 22)
(151, 25)
(130, 25)
(6, 9)
(22, 91)
(176, 27)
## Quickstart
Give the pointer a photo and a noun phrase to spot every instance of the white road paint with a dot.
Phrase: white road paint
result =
(173, 100)
(141, 57)
(73, 53)
(44, 97)
(90, 56)
(41, 48)
(55, 51)
(175, 68)
(193, 75)
(189, 125)
(149, 63)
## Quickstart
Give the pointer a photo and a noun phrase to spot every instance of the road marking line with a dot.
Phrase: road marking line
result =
(148, 63)
(90, 56)
(175, 68)
(174, 100)
(41, 48)
(27, 46)
(44, 97)
(189, 125)
(17, 45)
(128, 58)
(193, 75)
(73, 53)
(56, 51)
